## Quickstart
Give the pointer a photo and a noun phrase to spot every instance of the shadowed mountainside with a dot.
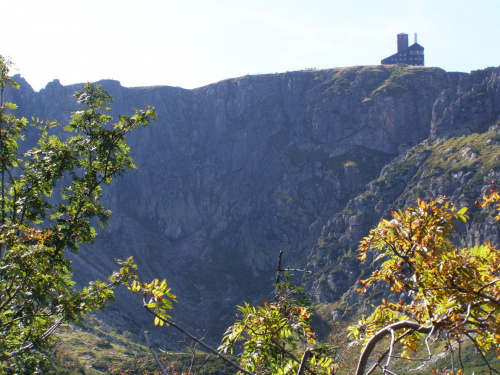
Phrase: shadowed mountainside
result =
(305, 161)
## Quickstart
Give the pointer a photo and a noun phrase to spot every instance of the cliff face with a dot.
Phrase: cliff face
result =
(236, 170)
(459, 160)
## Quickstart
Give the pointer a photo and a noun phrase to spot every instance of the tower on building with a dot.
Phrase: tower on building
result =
(412, 55)
(402, 42)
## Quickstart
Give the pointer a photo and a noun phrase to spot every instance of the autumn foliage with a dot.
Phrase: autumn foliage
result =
(446, 291)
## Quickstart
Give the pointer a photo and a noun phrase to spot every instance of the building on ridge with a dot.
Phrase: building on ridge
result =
(412, 55)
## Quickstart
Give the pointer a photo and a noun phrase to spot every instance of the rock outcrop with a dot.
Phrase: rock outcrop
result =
(305, 161)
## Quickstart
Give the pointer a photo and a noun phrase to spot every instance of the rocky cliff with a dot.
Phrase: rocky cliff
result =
(305, 161)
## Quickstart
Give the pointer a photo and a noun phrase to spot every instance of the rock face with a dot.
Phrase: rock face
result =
(236, 170)
(460, 159)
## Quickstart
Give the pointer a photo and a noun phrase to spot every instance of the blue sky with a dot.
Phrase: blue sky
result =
(191, 43)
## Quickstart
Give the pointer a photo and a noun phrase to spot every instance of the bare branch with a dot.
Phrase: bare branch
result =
(377, 364)
(487, 285)
(450, 346)
(381, 358)
(460, 353)
(303, 366)
(287, 352)
(478, 293)
(370, 346)
(30, 346)
(391, 347)
(491, 370)
(278, 270)
(385, 371)
(146, 334)
(427, 342)
(221, 356)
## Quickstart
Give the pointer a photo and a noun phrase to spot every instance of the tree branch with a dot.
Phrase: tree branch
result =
(370, 345)
(383, 355)
(278, 270)
(146, 334)
(283, 350)
(478, 293)
(303, 366)
(30, 346)
(391, 348)
(491, 370)
(221, 356)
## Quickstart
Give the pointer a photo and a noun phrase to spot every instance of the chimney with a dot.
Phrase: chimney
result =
(415, 38)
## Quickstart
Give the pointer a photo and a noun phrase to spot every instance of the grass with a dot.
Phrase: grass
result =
(456, 154)
(328, 242)
(477, 152)
(399, 169)
(94, 348)
(392, 83)
(365, 78)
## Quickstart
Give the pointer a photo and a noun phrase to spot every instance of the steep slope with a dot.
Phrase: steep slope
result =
(236, 170)
(460, 160)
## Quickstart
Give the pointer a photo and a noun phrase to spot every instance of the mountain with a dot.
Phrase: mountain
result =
(306, 161)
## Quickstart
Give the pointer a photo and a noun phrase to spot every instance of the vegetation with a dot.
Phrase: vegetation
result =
(475, 151)
(277, 338)
(447, 294)
(452, 293)
(92, 347)
(393, 83)
(50, 203)
(478, 152)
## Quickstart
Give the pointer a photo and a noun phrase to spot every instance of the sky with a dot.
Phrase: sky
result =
(192, 43)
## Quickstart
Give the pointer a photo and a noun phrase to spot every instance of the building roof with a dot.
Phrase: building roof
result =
(404, 55)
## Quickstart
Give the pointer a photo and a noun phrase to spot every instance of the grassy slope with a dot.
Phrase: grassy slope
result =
(478, 153)
(94, 348)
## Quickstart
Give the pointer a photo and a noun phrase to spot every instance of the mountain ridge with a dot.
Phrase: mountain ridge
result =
(236, 170)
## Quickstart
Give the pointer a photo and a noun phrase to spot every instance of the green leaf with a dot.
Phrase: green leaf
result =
(38, 228)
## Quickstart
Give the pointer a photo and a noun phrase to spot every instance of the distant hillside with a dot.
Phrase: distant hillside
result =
(306, 161)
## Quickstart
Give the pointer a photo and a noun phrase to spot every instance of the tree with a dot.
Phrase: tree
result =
(449, 292)
(51, 203)
(446, 292)
(275, 338)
